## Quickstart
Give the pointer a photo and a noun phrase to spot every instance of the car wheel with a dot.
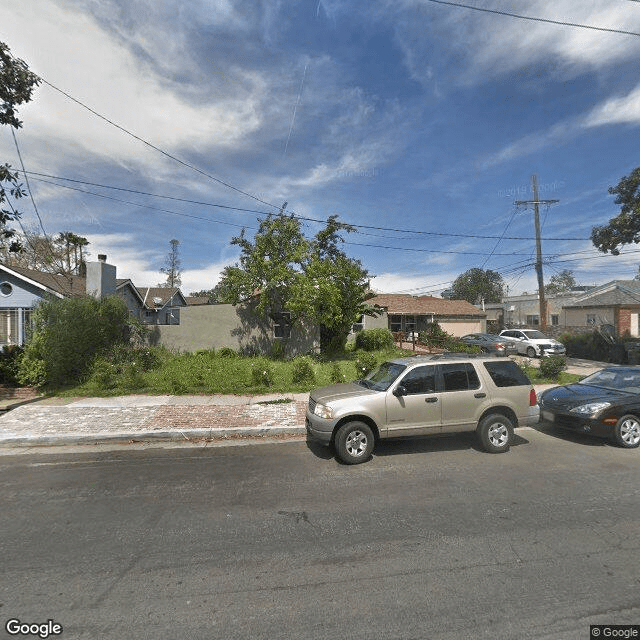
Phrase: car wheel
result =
(354, 442)
(531, 352)
(496, 433)
(627, 432)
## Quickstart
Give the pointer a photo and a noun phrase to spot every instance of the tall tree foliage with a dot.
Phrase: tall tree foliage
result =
(16, 88)
(313, 280)
(65, 253)
(562, 282)
(172, 266)
(478, 284)
(625, 227)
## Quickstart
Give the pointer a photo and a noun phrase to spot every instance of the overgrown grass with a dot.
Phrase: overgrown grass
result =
(209, 372)
(536, 377)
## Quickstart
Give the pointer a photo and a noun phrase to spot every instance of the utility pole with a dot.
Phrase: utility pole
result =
(536, 214)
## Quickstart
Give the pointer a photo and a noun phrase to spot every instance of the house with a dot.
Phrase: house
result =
(406, 313)
(615, 303)
(21, 289)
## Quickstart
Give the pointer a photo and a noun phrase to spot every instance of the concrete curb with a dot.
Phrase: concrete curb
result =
(155, 436)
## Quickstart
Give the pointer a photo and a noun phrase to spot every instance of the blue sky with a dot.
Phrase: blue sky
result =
(409, 116)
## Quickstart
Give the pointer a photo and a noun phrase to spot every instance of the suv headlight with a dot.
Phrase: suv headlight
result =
(591, 408)
(323, 411)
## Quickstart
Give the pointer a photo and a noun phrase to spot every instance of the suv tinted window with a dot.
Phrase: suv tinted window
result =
(420, 380)
(506, 374)
(460, 377)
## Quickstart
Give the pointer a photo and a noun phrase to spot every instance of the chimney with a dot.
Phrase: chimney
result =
(101, 278)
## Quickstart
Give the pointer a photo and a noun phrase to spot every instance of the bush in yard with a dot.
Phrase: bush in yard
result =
(9, 363)
(552, 367)
(374, 339)
(365, 363)
(336, 376)
(226, 352)
(67, 335)
(262, 373)
(302, 371)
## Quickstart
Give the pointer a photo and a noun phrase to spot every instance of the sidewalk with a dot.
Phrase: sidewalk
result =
(138, 418)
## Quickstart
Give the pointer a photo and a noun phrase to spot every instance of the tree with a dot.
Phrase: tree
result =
(476, 285)
(172, 267)
(313, 280)
(562, 282)
(624, 228)
(63, 254)
(16, 87)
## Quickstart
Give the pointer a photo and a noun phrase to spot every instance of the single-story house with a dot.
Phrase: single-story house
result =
(402, 312)
(21, 289)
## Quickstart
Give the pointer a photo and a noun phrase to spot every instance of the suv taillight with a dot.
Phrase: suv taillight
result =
(533, 400)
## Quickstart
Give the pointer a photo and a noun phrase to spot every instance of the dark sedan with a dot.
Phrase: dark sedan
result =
(605, 404)
(490, 343)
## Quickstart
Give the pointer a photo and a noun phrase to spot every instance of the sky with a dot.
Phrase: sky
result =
(418, 122)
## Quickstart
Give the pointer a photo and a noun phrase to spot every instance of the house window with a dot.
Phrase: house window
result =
(282, 325)
(591, 318)
(533, 320)
(395, 323)
(14, 325)
(410, 323)
(6, 288)
(555, 319)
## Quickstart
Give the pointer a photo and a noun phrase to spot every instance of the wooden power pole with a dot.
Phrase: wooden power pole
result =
(536, 216)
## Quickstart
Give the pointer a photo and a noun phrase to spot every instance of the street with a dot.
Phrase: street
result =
(432, 538)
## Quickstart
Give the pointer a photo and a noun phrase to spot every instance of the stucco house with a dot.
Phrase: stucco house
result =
(402, 312)
(21, 289)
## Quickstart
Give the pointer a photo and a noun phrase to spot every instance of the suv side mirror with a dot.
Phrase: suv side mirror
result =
(400, 391)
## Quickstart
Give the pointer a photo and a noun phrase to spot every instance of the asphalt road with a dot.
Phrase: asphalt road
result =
(432, 538)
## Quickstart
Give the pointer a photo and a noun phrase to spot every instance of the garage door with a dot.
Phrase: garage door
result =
(461, 328)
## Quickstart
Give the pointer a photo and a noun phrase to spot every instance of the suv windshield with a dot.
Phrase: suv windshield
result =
(383, 377)
(535, 335)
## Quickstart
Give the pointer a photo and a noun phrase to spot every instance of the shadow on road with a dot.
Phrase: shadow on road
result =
(584, 439)
(417, 444)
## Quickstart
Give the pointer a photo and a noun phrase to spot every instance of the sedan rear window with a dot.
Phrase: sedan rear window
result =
(506, 374)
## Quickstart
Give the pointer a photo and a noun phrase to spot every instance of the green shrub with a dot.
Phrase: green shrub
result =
(276, 351)
(262, 373)
(374, 339)
(10, 357)
(365, 363)
(552, 367)
(336, 374)
(460, 347)
(226, 352)
(68, 335)
(302, 371)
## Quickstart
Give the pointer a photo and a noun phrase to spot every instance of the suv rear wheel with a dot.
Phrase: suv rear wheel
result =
(354, 442)
(531, 352)
(496, 433)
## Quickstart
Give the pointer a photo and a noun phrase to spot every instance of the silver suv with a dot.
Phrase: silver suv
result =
(421, 395)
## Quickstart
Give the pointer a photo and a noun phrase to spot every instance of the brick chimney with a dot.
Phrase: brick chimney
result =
(101, 278)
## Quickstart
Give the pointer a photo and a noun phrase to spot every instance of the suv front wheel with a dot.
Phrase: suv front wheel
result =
(496, 433)
(354, 442)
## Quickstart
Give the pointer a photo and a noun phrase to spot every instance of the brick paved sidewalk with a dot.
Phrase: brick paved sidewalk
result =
(152, 417)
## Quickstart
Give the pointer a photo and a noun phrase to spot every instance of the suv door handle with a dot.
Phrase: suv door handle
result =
(479, 395)
(431, 399)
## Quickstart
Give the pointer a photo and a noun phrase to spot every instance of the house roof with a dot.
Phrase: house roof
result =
(398, 303)
(159, 297)
(58, 283)
(196, 300)
(612, 294)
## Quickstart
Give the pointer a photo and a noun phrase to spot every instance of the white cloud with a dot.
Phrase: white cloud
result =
(71, 50)
(486, 45)
(618, 110)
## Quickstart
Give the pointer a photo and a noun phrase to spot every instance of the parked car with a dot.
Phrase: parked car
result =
(605, 404)
(491, 343)
(532, 343)
(424, 395)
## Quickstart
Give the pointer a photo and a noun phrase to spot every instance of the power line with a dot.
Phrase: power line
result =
(305, 218)
(545, 20)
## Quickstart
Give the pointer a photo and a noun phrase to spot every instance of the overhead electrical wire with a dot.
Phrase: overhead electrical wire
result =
(535, 19)
(305, 218)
